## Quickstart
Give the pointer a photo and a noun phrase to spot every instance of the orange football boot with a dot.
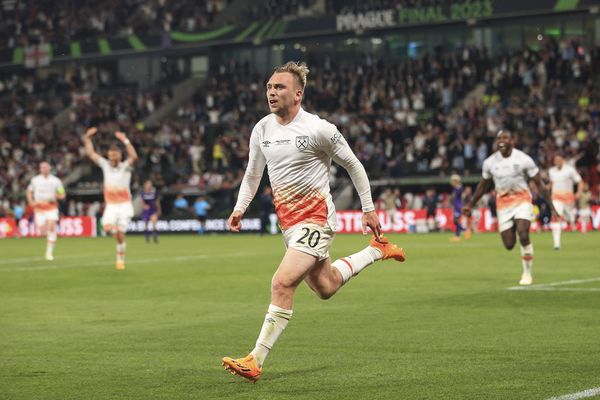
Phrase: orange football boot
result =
(120, 265)
(245, 367)
(389, 250)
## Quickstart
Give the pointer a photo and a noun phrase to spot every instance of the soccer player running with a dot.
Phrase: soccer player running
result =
(510, 170)
(297, 147)
(43, 194)
(562, 179)
(151, 210)
(117, 178)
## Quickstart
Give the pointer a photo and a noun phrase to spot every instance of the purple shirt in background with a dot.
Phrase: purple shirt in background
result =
(150, 198)
(457, 202)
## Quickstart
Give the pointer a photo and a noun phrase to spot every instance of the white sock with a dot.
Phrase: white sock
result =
(275, 322)
(556, 229)
(121, 251)
(527, 258)
(50, 242)
(352, 265)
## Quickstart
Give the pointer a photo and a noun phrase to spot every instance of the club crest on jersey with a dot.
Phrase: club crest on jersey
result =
(515, 167)
(302, 142)
(336, 138)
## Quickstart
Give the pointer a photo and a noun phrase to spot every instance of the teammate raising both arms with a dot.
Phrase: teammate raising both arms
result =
(118, 209)
(297, 147)
(43, 194)
(510, 170)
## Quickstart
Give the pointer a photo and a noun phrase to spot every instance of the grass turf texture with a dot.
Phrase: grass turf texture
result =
(442, 325)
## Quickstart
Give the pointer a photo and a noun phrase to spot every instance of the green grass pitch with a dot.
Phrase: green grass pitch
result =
(440, 326)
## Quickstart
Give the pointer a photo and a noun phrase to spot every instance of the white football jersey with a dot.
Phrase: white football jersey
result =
(116, 181)
(44, 190)
(510, 175)
(563, 181)
(298, 157)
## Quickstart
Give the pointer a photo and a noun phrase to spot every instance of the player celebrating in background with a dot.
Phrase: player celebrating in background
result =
(562, 179)
(509, 170)
(117, 178)
(297, 147)
(151, 210)
(43, 194)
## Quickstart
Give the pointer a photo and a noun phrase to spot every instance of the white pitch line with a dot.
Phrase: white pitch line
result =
(142, 261)
(578, 395)
(555, 289)
(552, 285)
(24, 260)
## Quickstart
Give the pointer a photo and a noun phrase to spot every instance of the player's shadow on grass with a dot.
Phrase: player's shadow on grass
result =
(275, 375)
(272, 376)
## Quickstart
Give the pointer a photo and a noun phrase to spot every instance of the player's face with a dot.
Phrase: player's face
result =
(114, 156)
(282, 93)
(44, 168)
(559, 161)
(504, 143)
(147, 186)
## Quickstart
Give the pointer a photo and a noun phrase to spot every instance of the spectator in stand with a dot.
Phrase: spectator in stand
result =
(430, 203)
(201, 207)
(181, 208)
(266, 210)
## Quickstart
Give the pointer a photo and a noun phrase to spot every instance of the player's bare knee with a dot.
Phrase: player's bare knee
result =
(323, 293)
(280, 287)
(524, 239)
(509, 245)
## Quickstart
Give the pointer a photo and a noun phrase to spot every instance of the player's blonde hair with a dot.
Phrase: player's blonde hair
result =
(298, 69)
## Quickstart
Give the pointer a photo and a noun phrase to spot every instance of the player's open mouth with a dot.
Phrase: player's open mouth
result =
(272, 102)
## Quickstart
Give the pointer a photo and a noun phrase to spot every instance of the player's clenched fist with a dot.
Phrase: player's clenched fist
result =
(235, 221)
(91, 131)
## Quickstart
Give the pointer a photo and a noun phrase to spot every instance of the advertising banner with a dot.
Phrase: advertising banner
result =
(399, 221)
(67, 227)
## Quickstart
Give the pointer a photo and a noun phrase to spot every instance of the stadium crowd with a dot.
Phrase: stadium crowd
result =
(356, 6)
(403, 118)
(26, 23)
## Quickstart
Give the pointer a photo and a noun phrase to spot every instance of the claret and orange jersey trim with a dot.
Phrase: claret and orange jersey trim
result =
(564, 196)
(294, 207)
(512, 198)
(45, 206)
(114, 195)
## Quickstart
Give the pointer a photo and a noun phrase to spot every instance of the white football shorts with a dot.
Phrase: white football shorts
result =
(117, 216)
(310, 238)
(565, 210)
(507, 216)
(41, 217)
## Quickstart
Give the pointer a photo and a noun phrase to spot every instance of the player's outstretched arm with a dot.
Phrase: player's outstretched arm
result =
(484, 186)
(235, 221)
(545, 193)
(89, 145)
(132, 156)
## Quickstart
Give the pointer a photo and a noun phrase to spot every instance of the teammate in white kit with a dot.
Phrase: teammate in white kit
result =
(510, 171)
(118, 209)
(43, 194)
(297, 147)
(562, 179)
